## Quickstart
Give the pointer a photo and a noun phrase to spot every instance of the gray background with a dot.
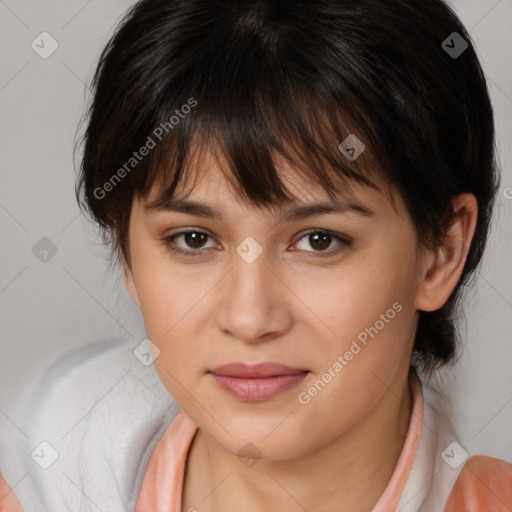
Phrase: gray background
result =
(48, 308)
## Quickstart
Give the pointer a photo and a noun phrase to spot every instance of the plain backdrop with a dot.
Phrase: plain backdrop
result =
(50, 307)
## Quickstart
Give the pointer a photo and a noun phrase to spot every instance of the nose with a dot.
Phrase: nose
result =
(255, 304)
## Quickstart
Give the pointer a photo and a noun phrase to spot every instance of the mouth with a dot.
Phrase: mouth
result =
(254, 383)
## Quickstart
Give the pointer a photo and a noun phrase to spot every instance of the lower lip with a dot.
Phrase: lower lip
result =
(254, 390)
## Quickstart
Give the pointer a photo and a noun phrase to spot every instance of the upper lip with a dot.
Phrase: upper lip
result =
(254, 371)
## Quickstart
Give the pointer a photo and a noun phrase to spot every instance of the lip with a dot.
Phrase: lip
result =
(256, 371)
(259, 382)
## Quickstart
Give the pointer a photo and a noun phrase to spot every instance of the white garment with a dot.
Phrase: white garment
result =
(103, 411)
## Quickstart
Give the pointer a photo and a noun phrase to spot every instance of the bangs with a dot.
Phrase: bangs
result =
(252, 134)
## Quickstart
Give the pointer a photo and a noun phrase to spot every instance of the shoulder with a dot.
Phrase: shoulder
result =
(90, 426)
(483, 485)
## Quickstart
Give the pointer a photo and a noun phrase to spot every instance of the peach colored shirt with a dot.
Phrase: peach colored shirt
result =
(483, 485)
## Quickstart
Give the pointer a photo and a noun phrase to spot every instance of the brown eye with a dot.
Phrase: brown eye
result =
(195, 239)
(322, 242)
(189, 243)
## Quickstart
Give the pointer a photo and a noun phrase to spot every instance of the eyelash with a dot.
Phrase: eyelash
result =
(343, 240)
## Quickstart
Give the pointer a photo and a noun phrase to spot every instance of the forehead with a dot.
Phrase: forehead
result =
(209, 189)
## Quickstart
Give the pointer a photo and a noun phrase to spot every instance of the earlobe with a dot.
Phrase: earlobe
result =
(444, 267)
(129, 282)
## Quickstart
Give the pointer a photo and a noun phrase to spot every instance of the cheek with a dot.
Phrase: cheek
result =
(345, 301)
(365, 314)
(175, 309)
(172, 321)
(169, 294)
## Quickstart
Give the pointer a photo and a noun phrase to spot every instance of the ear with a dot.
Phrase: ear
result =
(443, 267)
(129, 282)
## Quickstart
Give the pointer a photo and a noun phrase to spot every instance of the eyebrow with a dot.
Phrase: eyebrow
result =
(295, 211)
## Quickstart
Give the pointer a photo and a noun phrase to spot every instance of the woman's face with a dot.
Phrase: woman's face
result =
(330, 295)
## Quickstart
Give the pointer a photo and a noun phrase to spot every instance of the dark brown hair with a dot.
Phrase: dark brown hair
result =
(261, 79)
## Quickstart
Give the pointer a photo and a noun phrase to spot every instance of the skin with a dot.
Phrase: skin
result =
(204, 311)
